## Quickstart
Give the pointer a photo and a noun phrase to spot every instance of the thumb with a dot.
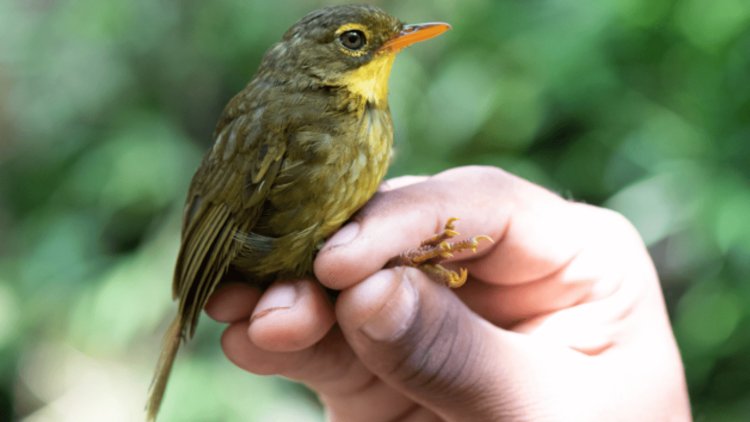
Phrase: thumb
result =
(422, 340)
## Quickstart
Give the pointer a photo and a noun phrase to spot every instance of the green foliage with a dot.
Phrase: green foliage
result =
(106, 107)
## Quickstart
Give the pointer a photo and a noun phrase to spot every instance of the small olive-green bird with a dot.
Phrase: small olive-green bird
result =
(295, 154)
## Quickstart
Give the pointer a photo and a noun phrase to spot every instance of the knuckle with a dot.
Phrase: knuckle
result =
(612, 237)
(620, 228)
(606, 225)
(477, 173)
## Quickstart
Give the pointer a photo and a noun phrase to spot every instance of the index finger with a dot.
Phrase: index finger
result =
(531, 227)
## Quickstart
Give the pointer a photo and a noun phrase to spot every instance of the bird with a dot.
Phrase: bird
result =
(295, 154)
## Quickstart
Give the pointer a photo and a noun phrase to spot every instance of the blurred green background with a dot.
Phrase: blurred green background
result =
(106, 108)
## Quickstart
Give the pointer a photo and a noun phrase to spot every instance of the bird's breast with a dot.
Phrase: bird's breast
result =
(369, 159)
(329, 174)
(336, 155)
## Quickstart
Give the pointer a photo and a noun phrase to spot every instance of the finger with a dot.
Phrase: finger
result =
(507, 306)
(419, 338)
(329, 367)
(291, 316)
(529, 223)
(232, 302)
(400, 182)
(393, 222)
(612, 249)
(243, 352)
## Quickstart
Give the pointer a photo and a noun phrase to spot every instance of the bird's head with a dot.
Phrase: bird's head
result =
(351, 47)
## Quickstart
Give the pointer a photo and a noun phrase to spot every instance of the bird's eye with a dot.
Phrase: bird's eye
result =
(353, 40)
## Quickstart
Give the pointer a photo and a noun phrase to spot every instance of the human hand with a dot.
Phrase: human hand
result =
(561, 319)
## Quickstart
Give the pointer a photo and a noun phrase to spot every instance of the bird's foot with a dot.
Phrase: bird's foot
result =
(431, 252)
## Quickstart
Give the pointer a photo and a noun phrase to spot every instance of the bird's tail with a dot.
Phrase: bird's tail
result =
(172, 340)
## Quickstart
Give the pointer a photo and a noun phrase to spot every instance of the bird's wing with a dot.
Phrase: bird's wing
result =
(225, 200)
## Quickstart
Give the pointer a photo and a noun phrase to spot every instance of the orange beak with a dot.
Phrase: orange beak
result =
(413, 34)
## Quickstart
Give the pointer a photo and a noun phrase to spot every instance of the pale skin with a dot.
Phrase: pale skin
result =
(562, 318)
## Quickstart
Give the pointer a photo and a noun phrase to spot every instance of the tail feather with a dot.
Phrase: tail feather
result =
(172, 340)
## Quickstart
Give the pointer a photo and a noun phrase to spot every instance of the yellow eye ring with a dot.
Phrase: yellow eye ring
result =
(358, 34)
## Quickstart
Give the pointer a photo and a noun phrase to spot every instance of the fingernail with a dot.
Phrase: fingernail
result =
(396, 316)
(280, 296)
(345, 235)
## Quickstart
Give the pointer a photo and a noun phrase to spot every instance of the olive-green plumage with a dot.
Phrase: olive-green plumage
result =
(295, 154)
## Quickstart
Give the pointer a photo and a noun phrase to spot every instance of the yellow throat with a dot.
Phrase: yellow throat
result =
(370, 81)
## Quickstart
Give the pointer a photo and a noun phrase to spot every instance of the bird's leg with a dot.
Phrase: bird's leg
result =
(431, 252)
